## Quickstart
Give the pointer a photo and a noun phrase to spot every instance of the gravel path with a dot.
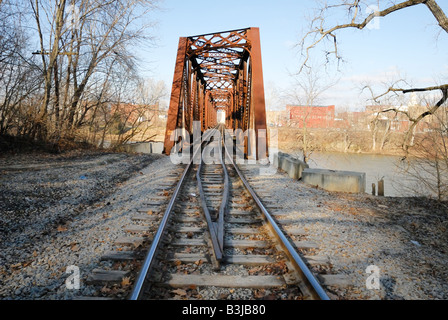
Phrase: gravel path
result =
(62, 211)
(406, 238)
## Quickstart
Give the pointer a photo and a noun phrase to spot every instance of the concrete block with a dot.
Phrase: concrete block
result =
(333, 180)
(292, 166)
(145, 147)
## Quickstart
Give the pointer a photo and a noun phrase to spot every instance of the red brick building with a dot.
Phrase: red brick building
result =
(311, 116)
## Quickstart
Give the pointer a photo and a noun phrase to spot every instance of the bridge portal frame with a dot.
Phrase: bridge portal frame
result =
(219, 71)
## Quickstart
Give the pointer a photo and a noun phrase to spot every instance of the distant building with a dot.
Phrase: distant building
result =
(351, 119)
(396, 119)
(311, 116)
(373, 116)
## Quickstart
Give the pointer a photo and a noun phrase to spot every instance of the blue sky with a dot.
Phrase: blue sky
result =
(407, 43)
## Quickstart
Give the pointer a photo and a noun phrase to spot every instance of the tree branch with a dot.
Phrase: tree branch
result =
(438, 14)
(415, 121)
(324, 34)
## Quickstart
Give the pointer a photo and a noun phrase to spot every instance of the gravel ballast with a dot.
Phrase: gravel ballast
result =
(65, 210)
(404, 239)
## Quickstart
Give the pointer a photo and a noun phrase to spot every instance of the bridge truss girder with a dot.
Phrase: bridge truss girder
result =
(219, 71)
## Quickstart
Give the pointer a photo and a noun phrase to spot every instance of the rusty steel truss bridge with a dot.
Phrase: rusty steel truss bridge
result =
(219, 71)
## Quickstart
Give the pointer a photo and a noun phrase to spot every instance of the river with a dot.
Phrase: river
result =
(389, 168)
(386, 167)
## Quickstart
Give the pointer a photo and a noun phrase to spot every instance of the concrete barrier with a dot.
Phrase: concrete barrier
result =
(145, 147)
(292, 166)
(333, 180)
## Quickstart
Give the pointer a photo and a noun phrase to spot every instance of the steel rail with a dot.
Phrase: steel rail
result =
(216, 229)
(149, 259)
(226, 193)
(317, 290)
(150, 256)
(217, 250)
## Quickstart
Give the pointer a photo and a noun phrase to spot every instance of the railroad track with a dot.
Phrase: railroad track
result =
(217, 239)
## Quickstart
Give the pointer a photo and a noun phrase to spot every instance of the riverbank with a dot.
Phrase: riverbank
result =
(333, 140)
(65, 209)
(298, 153)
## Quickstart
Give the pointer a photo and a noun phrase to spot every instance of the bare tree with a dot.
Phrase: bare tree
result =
(309, 86)
(56, 21)
(357, 19)
(345, 127)
(82, 43)
(150, 92)
(428, 164)
(18, 72)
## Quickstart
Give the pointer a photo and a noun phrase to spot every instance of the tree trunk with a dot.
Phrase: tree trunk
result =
(385, 135)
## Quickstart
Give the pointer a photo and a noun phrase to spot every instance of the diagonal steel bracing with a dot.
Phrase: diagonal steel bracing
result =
(218, 71)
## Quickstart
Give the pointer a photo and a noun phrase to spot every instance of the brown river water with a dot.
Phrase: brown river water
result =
(397, 183)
